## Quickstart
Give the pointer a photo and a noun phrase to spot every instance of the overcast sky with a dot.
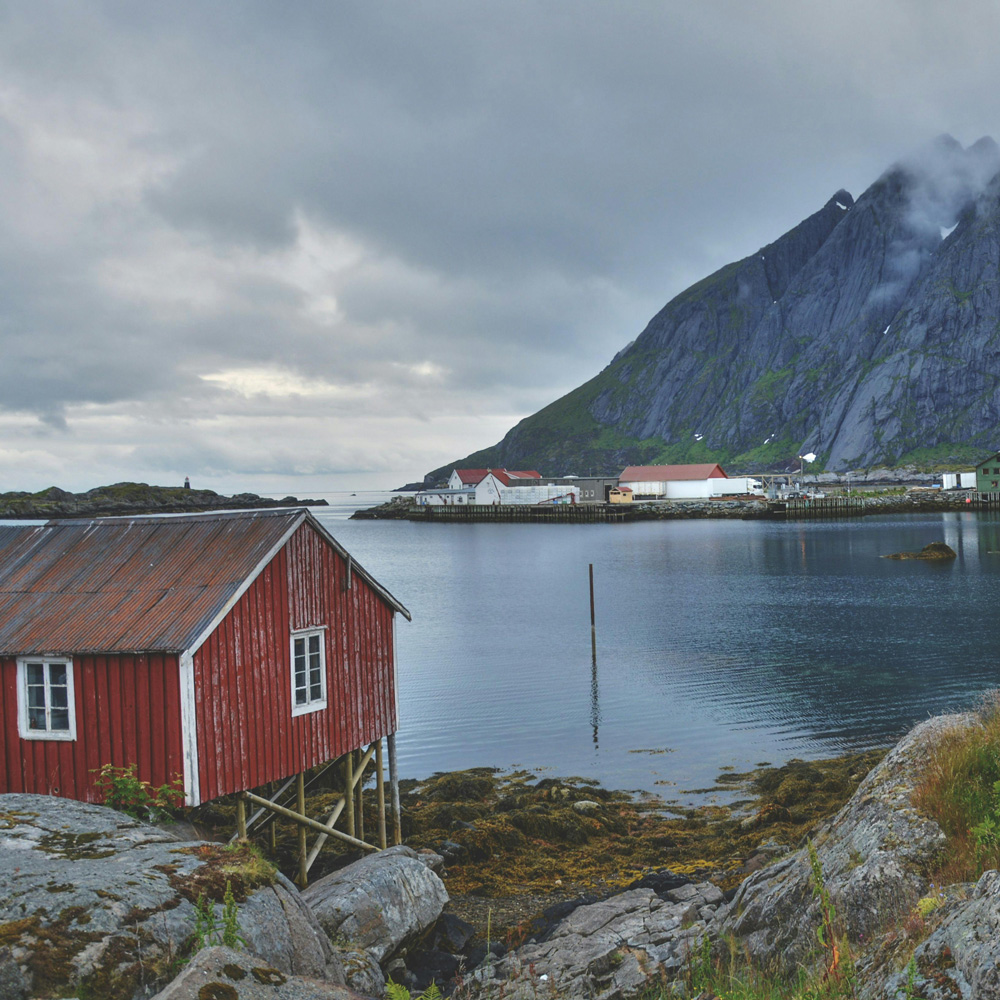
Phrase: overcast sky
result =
(313, 246)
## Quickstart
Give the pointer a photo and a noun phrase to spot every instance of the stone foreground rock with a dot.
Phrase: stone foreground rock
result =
(93, 899)
(875, 854)
(224, 974)
(381, 902)
(609, 949)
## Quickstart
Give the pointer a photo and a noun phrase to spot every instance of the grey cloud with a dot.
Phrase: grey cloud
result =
(525, 184)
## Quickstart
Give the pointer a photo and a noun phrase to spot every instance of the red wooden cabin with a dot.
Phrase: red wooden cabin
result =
(231, 649)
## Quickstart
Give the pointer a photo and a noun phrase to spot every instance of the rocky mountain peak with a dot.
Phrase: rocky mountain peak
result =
(867, 334)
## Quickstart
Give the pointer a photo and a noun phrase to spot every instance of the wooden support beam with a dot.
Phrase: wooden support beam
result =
(241, 817)
(310, 824)
(380, 792)
(397, 826)
(323, 837)
(300, 802)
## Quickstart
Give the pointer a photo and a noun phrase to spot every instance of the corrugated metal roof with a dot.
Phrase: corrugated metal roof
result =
(133, 584)
(671, 473)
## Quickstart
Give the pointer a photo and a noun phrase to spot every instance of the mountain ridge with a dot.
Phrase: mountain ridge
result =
(867, 334)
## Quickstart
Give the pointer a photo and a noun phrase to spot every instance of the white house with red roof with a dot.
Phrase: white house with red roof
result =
(460, 478)
(684, 482)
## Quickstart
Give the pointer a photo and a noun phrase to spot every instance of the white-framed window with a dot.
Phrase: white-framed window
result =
(46, 708)
(308, 671)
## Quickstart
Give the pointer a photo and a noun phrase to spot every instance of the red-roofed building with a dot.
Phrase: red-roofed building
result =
(507, 477)
(674, 482)
(232, 649)
(684, 482)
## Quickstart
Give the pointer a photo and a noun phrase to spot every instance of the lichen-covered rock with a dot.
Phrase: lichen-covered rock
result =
(381, 902)
(224, 974)
(610, 949)
(90, 897)
(961, 958)
(874, 854)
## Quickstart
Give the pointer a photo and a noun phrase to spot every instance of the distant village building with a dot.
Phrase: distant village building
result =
(988, 474)
(684, 482)
(620, 494)
(507, 477)
(593, 489)
(494, 487)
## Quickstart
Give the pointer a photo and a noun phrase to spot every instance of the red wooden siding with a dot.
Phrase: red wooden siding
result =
(127, 712)
(246, 733)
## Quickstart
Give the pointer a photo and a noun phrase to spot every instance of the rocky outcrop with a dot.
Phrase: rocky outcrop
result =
(224, 974)
(93, 899)
(378, 906)
(611, 948)
(935, 550)
(874, 854)
(865, 334)
(961, 958)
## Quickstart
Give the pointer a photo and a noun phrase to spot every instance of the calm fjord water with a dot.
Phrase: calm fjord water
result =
(718, 642)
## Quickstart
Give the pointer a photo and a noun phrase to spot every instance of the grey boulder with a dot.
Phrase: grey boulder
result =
(380, 903)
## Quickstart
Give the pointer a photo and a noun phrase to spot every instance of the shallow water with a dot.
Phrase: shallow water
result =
(719, 643)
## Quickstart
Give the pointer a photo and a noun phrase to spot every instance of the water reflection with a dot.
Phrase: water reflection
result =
(723, 642)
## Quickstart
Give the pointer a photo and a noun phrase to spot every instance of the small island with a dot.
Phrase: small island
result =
(132, 498)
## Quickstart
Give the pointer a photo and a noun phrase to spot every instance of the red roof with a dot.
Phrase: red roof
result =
(136, 584)
(671, 473)
(472, 477)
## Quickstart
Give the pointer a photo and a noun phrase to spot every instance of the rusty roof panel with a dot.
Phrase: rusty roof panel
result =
(127, 584)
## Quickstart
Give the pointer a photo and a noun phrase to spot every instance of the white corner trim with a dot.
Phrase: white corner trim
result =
(189, 730)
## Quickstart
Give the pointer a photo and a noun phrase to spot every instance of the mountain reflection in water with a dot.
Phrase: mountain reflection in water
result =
(718, 642)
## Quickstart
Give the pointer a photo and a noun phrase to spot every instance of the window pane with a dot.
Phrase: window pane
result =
(58, 697)
(36, 697)
(35, 673)
(36, 718)
(314, 645)
(316, 693)
(300, 695)
(60, 719)
(57, 673)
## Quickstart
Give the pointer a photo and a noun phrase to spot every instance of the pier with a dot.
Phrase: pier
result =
(566, 513)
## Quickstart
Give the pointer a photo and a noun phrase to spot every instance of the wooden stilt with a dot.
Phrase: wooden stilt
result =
(349, 791)
(300, 804)
(359, 800)
(272, 835)
(260, 812)
(397, 829)
(241, 817)
(380, 792)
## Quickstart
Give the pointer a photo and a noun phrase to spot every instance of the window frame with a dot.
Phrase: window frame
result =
(23, 728)
(317, 704)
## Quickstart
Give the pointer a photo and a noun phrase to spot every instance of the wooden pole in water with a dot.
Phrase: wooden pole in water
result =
(380, 792)
(593, 625)
(300, 805)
